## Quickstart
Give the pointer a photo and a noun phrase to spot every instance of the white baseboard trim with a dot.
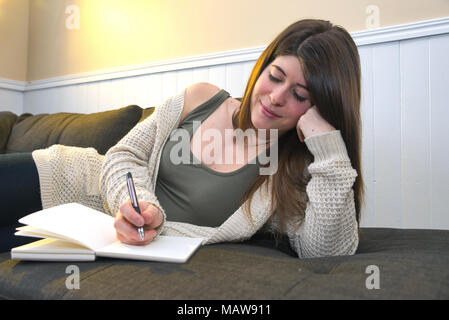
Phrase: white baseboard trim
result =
(361, 38)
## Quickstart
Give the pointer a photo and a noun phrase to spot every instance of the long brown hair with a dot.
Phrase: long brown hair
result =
(331, 67)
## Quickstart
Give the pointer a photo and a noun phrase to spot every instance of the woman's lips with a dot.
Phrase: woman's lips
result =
(267, 112)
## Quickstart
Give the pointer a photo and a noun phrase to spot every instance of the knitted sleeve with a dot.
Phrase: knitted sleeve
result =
(131, 154)
(138, 153)
(329, 227)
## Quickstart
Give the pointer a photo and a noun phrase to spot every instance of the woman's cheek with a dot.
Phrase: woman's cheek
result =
(297, 115)
(303, 110)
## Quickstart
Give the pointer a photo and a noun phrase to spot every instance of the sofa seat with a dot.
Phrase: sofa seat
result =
(412, 264)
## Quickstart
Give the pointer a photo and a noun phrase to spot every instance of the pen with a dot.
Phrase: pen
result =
(135, 203)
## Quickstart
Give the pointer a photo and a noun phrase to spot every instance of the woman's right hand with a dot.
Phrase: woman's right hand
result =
(127, 220)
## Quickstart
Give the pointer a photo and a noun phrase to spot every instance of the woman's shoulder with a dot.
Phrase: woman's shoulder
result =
(196, 95)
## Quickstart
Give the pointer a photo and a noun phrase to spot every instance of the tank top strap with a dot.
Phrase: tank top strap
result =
(205, 109)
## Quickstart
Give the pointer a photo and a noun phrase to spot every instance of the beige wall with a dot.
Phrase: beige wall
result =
(13, 39)
(116, 33)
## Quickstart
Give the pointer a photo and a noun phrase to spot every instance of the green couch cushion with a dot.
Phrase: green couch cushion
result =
(99, 130)
(7, 120)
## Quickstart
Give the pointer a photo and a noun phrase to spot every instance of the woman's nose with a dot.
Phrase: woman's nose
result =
(278, 96)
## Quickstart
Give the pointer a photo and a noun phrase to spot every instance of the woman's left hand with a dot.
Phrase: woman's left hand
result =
(312, 123)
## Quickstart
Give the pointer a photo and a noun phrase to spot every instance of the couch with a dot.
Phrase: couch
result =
(389, 263)
(27, 132)
(100, 130)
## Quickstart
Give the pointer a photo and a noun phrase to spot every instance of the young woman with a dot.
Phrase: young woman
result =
(305, 87)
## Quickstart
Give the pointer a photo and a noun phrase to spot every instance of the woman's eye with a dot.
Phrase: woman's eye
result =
(274, 79)
(298, 97)
(277, 80)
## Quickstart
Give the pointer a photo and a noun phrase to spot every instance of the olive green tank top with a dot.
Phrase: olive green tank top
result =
(191, 192)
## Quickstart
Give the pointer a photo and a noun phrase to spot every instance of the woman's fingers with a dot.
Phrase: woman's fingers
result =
(152, 217)
(127, 233)
(127, 220)
(125, 230)
(127, 210)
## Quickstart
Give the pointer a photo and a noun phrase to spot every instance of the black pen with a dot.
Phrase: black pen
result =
(135, 203)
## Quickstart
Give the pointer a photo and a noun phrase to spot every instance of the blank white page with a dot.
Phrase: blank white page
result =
(53, 246)
(92, 228)
(163, 248)
(52, 250)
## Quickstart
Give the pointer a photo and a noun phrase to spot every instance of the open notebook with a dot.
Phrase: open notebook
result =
(73, 232)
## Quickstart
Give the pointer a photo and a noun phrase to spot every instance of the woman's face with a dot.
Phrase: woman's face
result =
(280, 97)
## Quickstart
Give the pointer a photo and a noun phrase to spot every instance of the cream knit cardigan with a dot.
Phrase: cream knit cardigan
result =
(72, 174)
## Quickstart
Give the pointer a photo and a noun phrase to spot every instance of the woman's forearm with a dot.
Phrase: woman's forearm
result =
(329, 227)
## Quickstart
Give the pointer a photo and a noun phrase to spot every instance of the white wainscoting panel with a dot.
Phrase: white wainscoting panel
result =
(143, 90)
(11, 95)
(439, 130)
(405, 133)
(405, 76)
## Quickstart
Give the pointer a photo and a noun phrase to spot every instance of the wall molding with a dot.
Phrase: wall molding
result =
(205, 60)
(13, 85)
(361, 38)
(402, 31)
